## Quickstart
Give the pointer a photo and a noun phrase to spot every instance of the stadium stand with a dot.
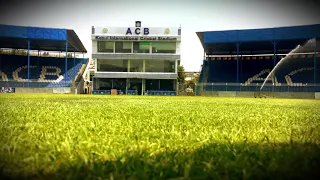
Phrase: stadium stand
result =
(259, 50)
(32, 71)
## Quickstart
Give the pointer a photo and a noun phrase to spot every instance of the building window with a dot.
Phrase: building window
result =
(136, 65)
(141, 47)
(154, 65)
(105, 46)
(123, 47)
(112, 65)
(164, 47)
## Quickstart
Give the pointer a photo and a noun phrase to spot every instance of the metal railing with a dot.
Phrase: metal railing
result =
(35, 84)
(160, 93)
(295, 87)
(119, 92)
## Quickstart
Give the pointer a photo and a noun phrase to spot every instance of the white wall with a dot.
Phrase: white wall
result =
(94, 47)
(178, 47)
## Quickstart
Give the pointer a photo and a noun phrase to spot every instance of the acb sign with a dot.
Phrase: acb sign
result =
(137, 31)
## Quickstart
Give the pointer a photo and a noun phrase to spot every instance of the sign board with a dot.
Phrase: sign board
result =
(7, 90)
(137, 31)
(92, 64)
(137, 38)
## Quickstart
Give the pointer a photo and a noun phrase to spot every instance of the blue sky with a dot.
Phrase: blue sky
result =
(193, 15)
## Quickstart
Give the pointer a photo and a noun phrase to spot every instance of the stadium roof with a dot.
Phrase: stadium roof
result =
(257, 39)
(48, 39)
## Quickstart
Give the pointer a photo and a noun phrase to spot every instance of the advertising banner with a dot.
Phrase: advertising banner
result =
(7, 90)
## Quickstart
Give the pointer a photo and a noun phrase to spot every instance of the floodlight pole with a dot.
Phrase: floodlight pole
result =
(28, 63)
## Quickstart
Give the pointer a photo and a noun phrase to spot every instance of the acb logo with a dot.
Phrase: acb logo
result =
(138, 31)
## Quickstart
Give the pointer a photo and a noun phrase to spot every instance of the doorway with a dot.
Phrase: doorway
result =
(135, 84)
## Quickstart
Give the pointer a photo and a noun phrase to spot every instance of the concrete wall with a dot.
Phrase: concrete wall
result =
(291, 95)
(34, 90)
(44, 90)
(227, 94)
(210, 93)
(245, 94)
(61, 90)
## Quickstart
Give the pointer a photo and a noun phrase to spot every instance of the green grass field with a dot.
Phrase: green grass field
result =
(126, 137)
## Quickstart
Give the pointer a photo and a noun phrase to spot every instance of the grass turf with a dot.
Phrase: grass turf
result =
(126, 137)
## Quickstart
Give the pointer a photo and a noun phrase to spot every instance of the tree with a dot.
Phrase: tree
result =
(181, 74)
(194, 79)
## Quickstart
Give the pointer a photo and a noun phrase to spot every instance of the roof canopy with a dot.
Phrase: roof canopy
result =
(257, 40)
(49, 39)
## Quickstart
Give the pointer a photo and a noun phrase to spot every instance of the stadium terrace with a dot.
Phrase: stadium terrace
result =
(144, 61)
(241, 60)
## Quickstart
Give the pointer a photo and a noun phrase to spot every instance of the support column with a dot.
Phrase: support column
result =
(66, 63)
(74, 60)
(28, 63)
(129, 65)
(177, 86)
(127, 85)
(97, 83)
(0, 60)
(238, 44)
(315, 64)
(174, 84)
(143, 88)
(274, 59)
(38, 65)
(112, 83)
(176, 68)
(150, 48)
(144, 66)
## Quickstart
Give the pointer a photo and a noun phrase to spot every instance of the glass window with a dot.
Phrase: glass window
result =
(123, 47)
(136, 65)
(104, 84)
(152, 84)
(112, 65)
(141, 47)
(160, 85)
(167, 85)
(105, 46)
(164, 47)
(155, 65)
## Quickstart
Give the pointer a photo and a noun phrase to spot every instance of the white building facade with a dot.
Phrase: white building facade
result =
(136, 59)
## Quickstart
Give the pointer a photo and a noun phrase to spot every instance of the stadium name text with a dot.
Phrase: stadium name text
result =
(136, 38)
(137, 31)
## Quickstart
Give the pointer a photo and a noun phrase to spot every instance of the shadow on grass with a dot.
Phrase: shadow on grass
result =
(214, 161)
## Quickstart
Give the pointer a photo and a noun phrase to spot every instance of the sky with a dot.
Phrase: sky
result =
(193, 15)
